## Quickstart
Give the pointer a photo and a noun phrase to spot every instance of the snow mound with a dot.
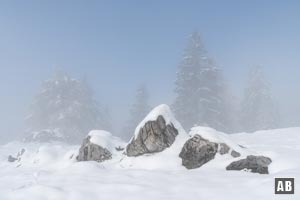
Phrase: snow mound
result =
(106, 140)
(281, 145)
(47, 172)
(161, 110)
(54, 155)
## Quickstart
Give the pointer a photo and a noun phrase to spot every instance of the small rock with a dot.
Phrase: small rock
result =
(235, 154)
(119, 148)
(20, 153)
(224, 149)
(11, 158)
(197, 151)
(93, 152)
(257, 164)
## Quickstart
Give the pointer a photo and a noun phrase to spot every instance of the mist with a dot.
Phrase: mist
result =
(193, 99)
(117, 49)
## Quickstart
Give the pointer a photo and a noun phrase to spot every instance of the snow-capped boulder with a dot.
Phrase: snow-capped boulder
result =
(204, 144)
(90, 151)
(225, 144)
(155, 133)
(99, 146)
(197, 151)
(256, 164)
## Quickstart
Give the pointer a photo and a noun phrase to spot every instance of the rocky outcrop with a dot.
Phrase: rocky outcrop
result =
(256, 164)
(197, 151)
(93, 152)
(154, 136)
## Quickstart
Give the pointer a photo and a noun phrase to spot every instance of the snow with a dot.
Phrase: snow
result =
(49, 171)
(282, 145)
(106, 140)
(163, 110)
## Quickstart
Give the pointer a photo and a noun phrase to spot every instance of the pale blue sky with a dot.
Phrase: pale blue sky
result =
(120, 44)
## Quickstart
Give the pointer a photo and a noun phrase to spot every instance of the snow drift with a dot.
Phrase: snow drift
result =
(50, 171)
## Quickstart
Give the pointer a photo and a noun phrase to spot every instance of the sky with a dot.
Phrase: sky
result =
(118, 45)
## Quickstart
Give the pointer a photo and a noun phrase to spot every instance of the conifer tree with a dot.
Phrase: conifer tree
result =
(201, 93)
(138, 111)
(257, 110)
(64, 110)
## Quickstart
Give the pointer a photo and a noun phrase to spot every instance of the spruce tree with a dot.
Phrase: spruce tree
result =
(138, 111)
(64, 110)
(257, 110)
(201, 94)
(216, 108)
(186, 105)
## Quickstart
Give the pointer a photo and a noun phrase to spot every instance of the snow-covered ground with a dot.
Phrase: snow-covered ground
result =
(49, 171)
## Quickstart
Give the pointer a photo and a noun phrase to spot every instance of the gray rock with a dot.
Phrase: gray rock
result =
(154, 136)
(235, 154)
(224, 149)
(20, 153)
(197, 151)
(11, 158)
(17, 158)
(257, 164)
(92, 152)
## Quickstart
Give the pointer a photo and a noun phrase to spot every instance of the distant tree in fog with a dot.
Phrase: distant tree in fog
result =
(257, 109)
(139, 109)
(64, 110)
(202, 97)
(107, 120)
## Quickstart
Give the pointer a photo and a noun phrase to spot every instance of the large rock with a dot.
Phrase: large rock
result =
(197, 151)
(154, 136)
(256, 164)
(93, 152)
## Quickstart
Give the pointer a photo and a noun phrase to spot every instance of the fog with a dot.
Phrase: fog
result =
(117, 48)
